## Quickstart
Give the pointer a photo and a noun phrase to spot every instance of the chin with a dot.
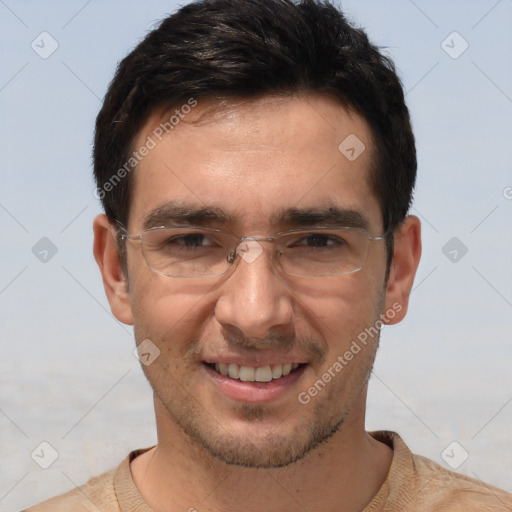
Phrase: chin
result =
(268, 449)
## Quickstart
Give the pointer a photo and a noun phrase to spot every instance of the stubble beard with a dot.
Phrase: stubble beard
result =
(271, 448)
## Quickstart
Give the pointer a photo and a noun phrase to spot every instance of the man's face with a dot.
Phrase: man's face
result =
(255, 163)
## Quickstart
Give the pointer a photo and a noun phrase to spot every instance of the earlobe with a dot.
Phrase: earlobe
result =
(107, 257)
(406, 257)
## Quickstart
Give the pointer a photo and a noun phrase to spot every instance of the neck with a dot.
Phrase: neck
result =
(342, 474)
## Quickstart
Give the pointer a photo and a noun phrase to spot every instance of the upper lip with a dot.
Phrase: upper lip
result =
(255, 361)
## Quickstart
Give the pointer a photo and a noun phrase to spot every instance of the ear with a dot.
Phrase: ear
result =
(106, 253)
(406, 257)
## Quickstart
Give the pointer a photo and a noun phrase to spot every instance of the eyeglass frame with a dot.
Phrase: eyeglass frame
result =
(125, 235)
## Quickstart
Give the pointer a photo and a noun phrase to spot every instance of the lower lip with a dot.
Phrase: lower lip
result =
(252, 392)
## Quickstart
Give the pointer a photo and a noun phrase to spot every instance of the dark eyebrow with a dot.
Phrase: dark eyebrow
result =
(179, 213)
(330, 215)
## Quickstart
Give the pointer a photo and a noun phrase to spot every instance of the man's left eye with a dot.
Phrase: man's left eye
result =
(319, 240)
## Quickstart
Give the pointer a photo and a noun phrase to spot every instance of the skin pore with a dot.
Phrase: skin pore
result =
(253, 164)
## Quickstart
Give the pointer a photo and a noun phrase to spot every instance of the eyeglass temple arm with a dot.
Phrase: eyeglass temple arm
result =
(124, 233)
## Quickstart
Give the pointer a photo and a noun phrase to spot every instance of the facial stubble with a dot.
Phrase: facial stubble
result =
(272, 447)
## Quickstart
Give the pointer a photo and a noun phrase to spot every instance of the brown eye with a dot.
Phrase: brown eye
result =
(190, 240)
(319, 240)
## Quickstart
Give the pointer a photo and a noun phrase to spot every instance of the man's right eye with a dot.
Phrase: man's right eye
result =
(189, 240)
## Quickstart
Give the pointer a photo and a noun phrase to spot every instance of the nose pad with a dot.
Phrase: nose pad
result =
(249, 250)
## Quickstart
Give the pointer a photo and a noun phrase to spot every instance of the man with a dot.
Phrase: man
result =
(256, 164)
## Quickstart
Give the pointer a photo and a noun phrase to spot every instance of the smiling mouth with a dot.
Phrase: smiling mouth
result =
(251, 374)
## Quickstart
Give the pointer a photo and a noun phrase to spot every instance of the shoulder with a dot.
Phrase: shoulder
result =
(446, 490)
(97, 493)
(415, 483)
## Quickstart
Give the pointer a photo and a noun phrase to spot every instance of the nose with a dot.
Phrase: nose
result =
(254, 300)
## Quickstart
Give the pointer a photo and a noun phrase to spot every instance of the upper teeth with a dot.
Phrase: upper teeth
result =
(251, 374)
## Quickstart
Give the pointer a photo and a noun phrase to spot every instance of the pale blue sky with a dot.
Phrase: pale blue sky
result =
(447, 366)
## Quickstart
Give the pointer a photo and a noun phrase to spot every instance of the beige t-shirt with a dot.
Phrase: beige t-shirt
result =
(413, 484)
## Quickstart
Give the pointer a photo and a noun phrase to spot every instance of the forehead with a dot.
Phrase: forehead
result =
(253, 159)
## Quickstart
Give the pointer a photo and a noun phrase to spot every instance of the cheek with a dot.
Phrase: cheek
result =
(342, 309)
(169, 322)
(168, 312)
